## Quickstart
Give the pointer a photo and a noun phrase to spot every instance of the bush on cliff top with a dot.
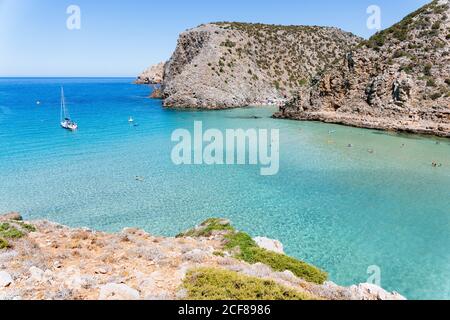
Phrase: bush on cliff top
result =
(207, 228)
(250, 252)
(13, 230)
(9, 231)
(218, 284)
(247, 250)
(401, 30)
(3, 244)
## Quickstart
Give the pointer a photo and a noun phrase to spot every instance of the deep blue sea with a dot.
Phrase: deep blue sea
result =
(342, 209)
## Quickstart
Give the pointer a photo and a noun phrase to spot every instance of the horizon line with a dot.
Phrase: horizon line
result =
(65, 77)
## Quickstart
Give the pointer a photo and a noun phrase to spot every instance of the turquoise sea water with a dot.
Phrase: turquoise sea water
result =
(343, 209)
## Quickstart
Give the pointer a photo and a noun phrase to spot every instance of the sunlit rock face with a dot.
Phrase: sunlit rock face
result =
(397, 80)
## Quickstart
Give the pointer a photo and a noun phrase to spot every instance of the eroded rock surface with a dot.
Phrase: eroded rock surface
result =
(397, 80)
(227, 65)
(55, 262)
(153, 75)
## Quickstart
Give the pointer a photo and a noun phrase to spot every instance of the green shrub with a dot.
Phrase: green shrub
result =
(245, 248)
(26, 227)
(10, 232)
(3, 244)
(219, 253)
(207, 228)
(228, 43)
(436, 25)
(251, 253)
(277, 84)
(407, 68)
(4, 226)
(427, 69)
(303, 82)
(218, 284)
(431, 83)
(13, 230)
(435, 96)
(399, 54)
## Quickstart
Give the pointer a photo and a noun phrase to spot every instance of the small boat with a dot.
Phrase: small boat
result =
(66, 122)
(130, 120)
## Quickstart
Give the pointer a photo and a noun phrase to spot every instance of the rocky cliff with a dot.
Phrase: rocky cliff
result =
(226, 65)
(43, 260)
(397, 80)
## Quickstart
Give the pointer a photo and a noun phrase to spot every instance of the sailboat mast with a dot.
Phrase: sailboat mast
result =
(62, 112)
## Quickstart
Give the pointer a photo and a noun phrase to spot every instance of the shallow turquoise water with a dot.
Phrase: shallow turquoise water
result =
(343, 209)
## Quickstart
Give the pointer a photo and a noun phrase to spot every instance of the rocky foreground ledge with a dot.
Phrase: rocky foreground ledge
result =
(44, 260)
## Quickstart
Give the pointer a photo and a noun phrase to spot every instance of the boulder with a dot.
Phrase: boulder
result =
(114, 291)
(269, 244)
(5, 279)
(36, 274)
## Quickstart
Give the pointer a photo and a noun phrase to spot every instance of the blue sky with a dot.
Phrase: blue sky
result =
(121, 38)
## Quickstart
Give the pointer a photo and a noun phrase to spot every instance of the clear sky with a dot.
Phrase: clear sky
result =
(123, 37)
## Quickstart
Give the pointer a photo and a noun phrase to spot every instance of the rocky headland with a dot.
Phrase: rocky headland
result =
(228, 65)
(399, 79)
(153, 75)
(44, 260)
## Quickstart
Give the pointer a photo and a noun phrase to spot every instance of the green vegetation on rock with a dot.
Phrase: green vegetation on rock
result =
(402, 29)
(26, 226)
(207, 228)
(13, 230)
(3, 244)
(249, 251)
(244, 248)
(10, 232)
(218, 284)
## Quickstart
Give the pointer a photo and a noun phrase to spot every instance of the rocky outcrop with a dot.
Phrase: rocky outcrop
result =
(226, 65)
(397, 80)
(269, 244)
(153, 75)
(59, 263)
(5, 279)
(11, 216)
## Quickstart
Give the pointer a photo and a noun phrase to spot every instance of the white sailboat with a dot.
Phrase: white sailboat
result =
(66, 122)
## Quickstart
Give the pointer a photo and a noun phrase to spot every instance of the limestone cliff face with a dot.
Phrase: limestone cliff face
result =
(226, 65)
(399, 79)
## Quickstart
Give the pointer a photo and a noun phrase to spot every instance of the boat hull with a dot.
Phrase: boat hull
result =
(68, 126)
